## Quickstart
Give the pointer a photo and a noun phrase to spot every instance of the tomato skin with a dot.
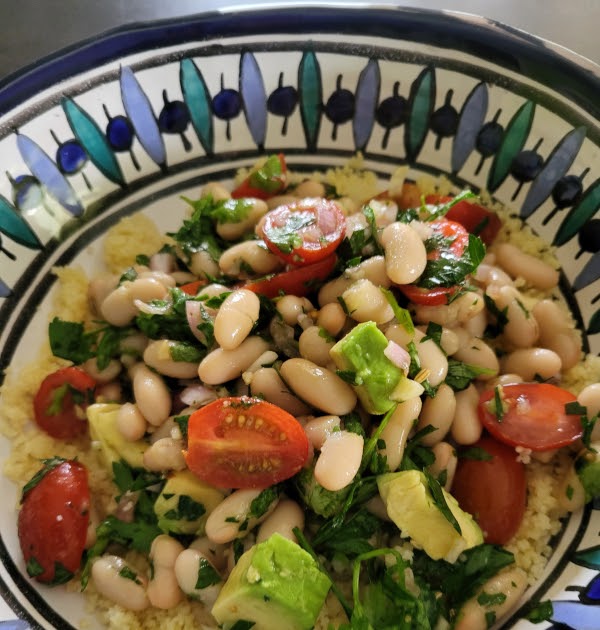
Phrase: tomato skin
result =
(534, 416)
(295, 281)
(64, 423)
(439, 295)
(53, 521)
(272, 186)
(244, 442)
(494, 491)
(191, 288)
(317, 240)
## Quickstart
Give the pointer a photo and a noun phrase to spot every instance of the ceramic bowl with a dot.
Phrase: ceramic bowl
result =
(131, 120)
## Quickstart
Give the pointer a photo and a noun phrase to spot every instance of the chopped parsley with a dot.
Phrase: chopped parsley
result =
(207, 575)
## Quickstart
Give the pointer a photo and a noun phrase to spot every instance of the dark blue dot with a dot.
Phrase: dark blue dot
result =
(567, 191)
(340, 106)
(282, 101)
(70, 157)
(489, 139)
(526, 166)
(444, 121)
(392, 112)
(174, 117)
(227, 104)
(119, 133)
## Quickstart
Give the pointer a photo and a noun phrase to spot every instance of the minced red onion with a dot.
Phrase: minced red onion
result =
(151, 309)
(193, 312)
(196, 394)
(398, 356)
(163, 261)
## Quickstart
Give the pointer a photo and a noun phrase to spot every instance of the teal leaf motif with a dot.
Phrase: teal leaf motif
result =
(579, 215)
(139, 111)
(589, 558)
(557, 164)
(470, 122)
(513, 141)
(15, 227)
(93, 140)
(421, 103)
(366, 99)
(594, 329)
(254, 98)
(197, 98)
(311, 97)
(48, 174)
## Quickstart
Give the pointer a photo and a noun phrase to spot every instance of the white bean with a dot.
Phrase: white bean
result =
(151, 394)
(158, 355)
(284, 518)
(236, 317)
(217, 191)
(339, 460)
(309, 188)
(557, 332)
(163, 589)
(372, 269)
(107, 374)
(291, 307)
(320, 428)
(518, 264)
(438, 412)
(477, 353)
(203, 265)
(449, 341)
(314, 346)
(267, 383)
(460, 310)
(446, 461)
(531, 362)
(224, 522)
(108, 575)
(280, 200)
(318, 386)
(99, 288)
(488, 275)
(165, 454)
(432, 359)
(504, 379)
(474, 616)
(521, 328)
(253, 254)
(466, 427)
(365, 302)
(332, 290)
(396, 431)
(166, 279)
(233, 231)
(187, 568)
(213, 552)
(220, 365)
(118, 307)
(332, 318)
(589, 397)
(130, 422)
(405, 253)
(477, 324)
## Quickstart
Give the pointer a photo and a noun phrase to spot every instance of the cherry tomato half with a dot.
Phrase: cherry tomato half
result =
(298, 281)
(303, 232)
(472, 216)
(244, 442)
(60, 403)
(454, 238)
(533, 416)
(493, 488)
(265, 182)
(192, 288)
(53, 521)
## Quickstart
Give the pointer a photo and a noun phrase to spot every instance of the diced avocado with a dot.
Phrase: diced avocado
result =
(103, 429)
(185, 503)
(588, 470)
(378, 382)
(411, 506)
(275, 584)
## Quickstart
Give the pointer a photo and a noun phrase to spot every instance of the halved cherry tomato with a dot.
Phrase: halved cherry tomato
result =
(298, 281)
(53, 520)
(60, 403)
(476, 219)
(267, 181)
(533, 415)
(191, 288)
(303, 232)
(493, 490)
(457, 239)
(244, 442)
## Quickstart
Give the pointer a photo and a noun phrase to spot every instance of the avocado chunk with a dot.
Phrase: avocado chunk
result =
(102, 418)
(587, 466)
(378, 382)
(411, 506)
(185, 503)
(275, 584)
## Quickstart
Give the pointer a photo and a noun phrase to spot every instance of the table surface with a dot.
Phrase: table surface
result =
(32, 29)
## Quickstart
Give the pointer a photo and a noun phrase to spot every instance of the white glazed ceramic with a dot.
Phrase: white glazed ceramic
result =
(132, 120)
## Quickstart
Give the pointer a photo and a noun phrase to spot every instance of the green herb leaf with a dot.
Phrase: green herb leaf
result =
(263, 501)
(286, 237)
(33, 567)
(129, 574)
(447, 270)
(182, 421)
(542, 611)
(129, 275)
(498, 405)
(461, 374)
(433, 332)
(186, 351)
(187, 509)
(491, 599)
(402, 315)
(440, 210)
(231, 210)
(48, 465)
(440, 500)
(207, 575)
(500, 316)
(476, 453)
(61, 575)
(269, 177)
(69, 341)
